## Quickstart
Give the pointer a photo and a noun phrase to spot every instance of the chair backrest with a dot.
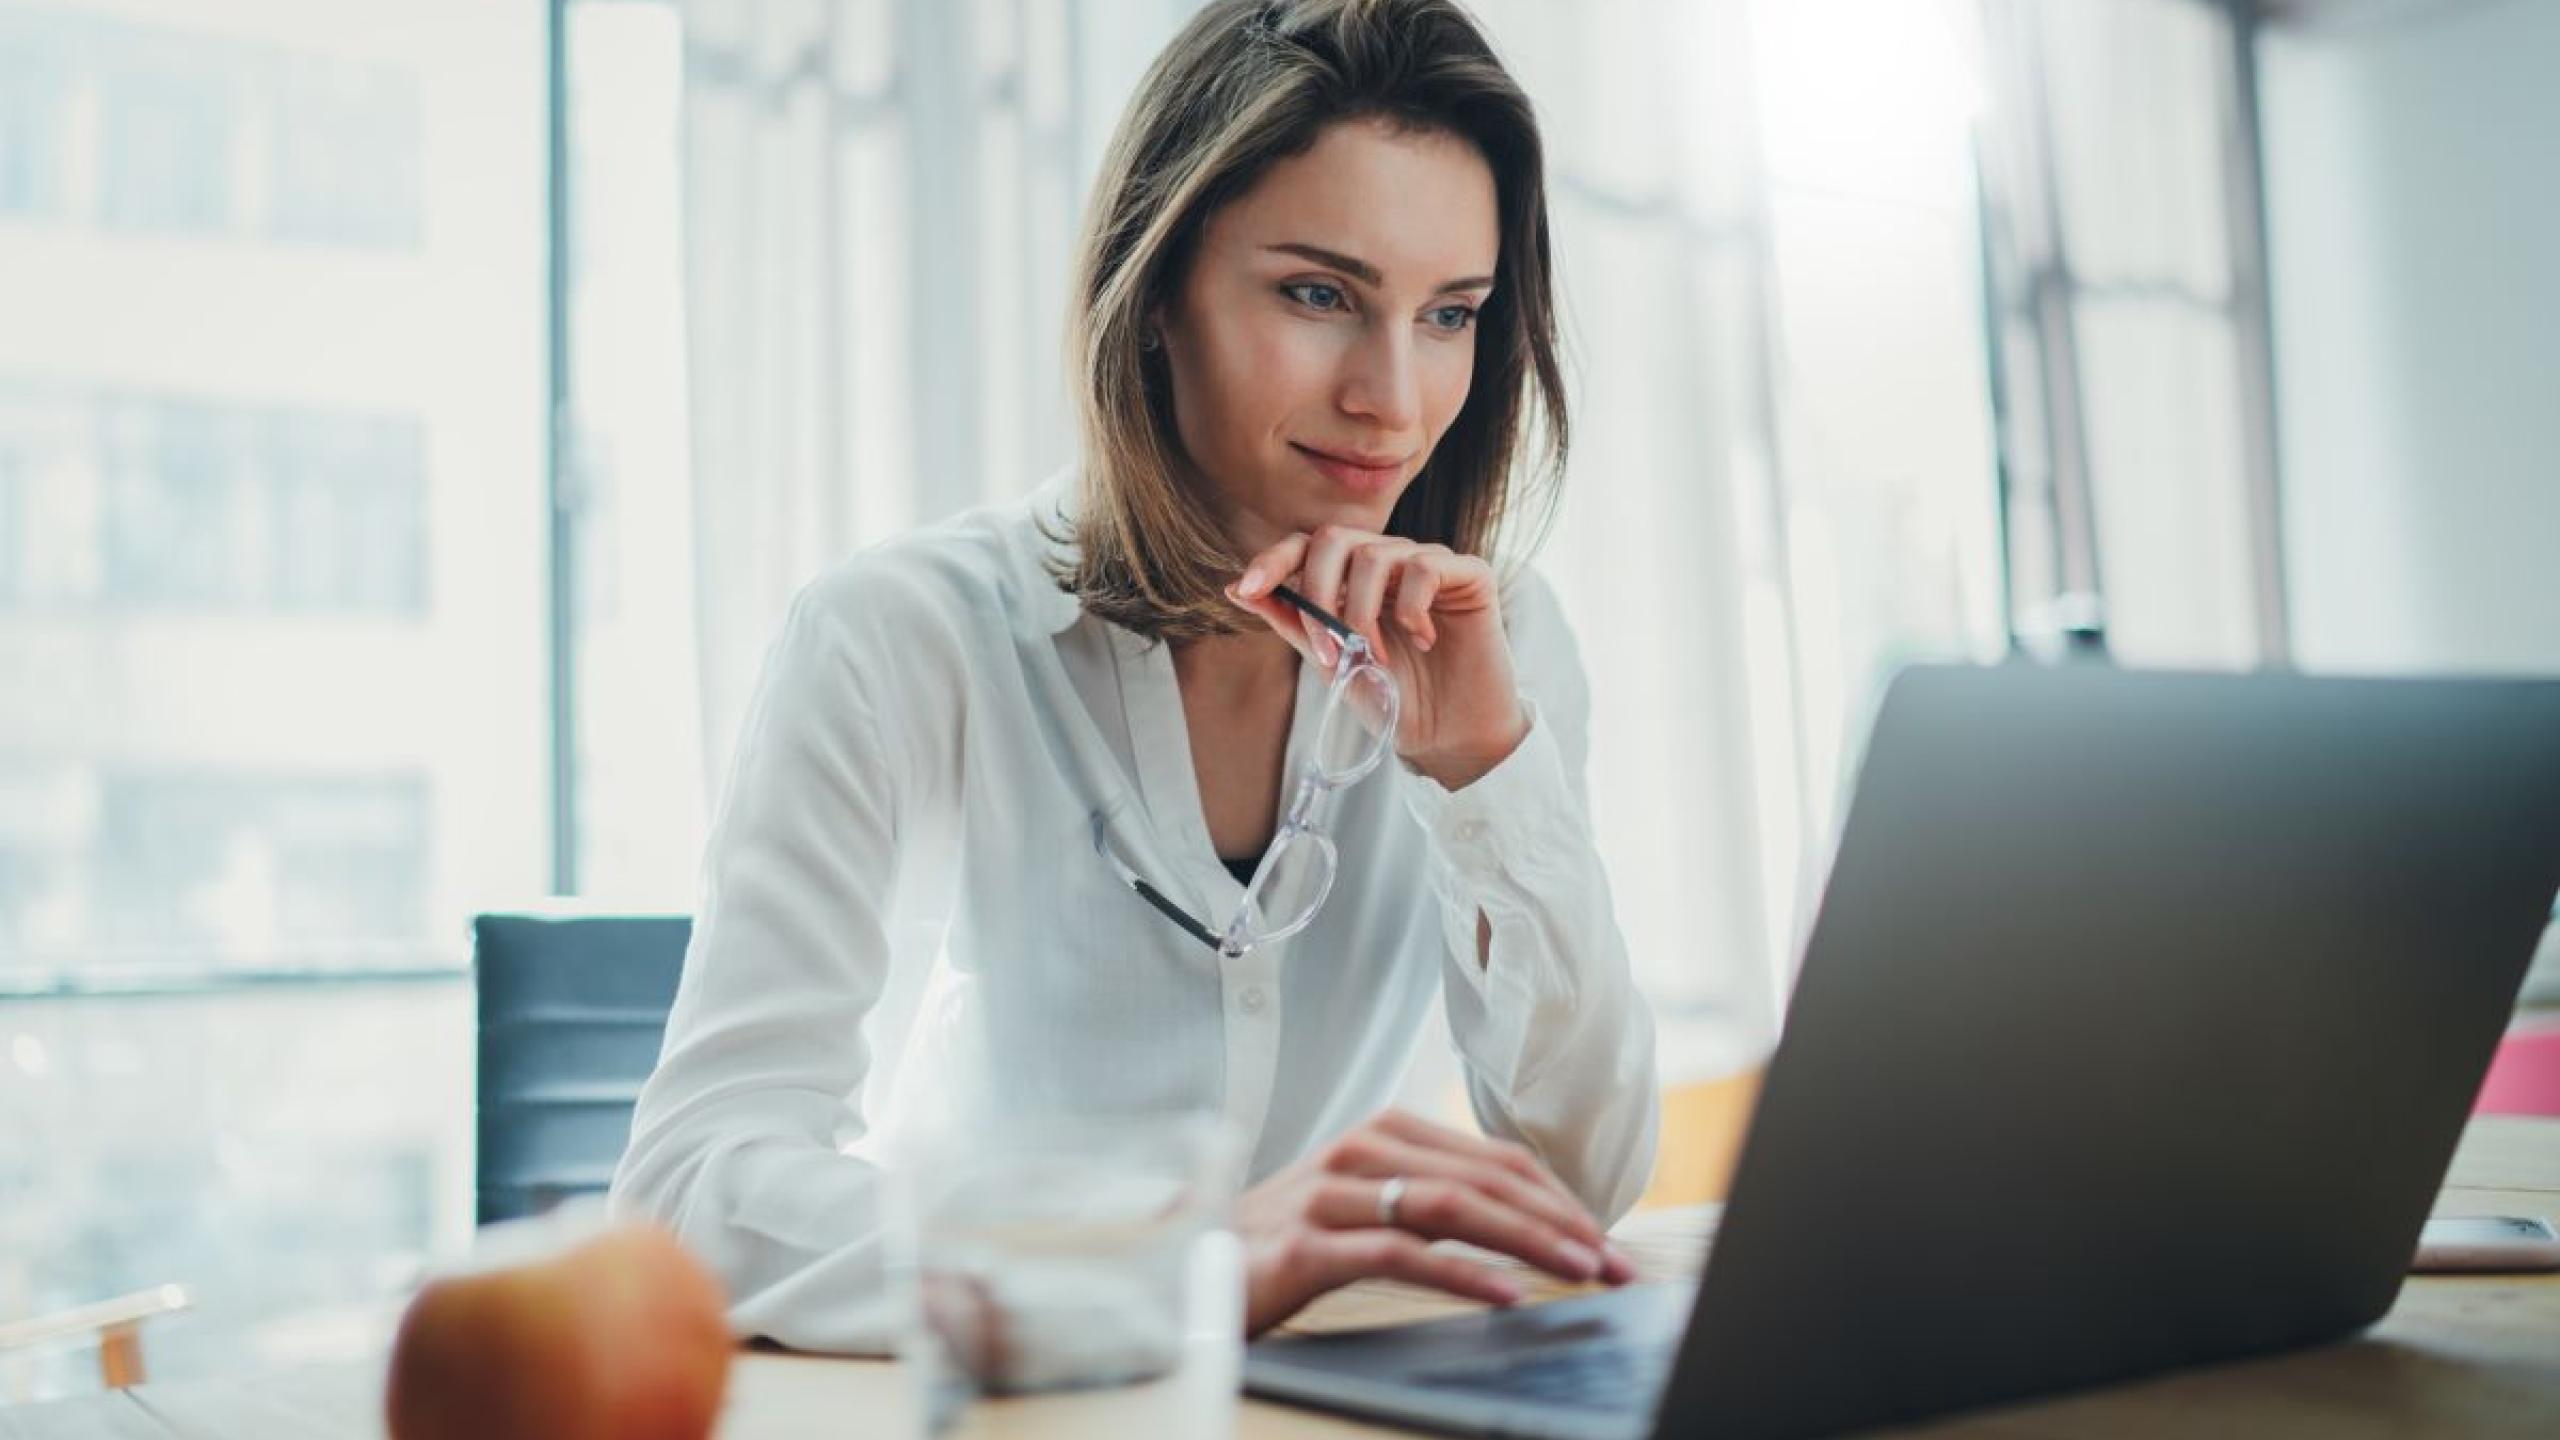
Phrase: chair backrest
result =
(572, 1010)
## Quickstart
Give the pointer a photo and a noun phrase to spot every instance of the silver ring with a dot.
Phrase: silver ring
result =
(1390, 1195)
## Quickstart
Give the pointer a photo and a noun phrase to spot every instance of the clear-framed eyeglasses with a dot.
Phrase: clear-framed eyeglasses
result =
(1355, 732)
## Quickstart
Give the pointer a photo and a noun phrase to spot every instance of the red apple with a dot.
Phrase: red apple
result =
(625, 1337)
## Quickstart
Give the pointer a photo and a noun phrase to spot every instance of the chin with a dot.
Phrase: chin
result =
(1288, 504)
(1305, 511)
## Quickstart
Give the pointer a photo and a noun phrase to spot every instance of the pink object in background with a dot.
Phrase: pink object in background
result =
(2524, 1078)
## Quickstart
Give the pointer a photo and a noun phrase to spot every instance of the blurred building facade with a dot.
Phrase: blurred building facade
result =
(243, 449)
(271, 642)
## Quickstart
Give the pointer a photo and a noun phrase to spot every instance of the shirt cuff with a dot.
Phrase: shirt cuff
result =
(1503, 822)
(1504, 847)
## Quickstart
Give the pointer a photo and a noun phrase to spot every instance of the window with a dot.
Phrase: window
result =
(272, 549)
(270, 533)
(2129, 292)
(120, 502)
(637, 763)
(343, 151)
(32, 110)
(167, 121)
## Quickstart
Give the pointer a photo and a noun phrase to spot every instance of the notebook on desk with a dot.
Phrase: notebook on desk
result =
(2135, 1031)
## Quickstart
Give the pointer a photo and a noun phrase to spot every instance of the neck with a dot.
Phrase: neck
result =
(1235, 667)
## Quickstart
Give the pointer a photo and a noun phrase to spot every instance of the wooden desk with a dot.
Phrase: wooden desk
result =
(2456, 1356)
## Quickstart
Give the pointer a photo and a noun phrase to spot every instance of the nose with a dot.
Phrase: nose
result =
(1379, 383)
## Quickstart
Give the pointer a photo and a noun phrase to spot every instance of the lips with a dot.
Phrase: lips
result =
(1353, 470)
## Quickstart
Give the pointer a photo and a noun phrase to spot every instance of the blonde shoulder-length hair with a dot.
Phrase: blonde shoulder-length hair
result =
(1249, 83)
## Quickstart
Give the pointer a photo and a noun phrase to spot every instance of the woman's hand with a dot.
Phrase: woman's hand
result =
(1433, 617)
(1321, 1223)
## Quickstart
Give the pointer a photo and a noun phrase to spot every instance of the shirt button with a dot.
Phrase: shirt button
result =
(1470, 831)
(1251, 1000)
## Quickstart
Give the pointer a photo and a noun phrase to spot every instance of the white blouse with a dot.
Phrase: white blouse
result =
(910, 809)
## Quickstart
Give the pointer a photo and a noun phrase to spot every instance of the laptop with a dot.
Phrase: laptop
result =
(2136, 1030)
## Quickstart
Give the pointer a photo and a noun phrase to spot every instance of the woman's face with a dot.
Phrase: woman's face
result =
(1325, 335)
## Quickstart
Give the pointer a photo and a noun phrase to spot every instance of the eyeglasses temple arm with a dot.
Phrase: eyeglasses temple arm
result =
(1175, 913)
(1317, 612)
(1149, 893)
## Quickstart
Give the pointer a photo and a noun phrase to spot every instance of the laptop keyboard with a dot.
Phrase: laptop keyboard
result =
(1590, 1377)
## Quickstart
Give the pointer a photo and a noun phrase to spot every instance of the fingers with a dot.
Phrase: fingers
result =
(1273, 565)
(1319, 1223)
(1352, 573)
(1415, 590)
(1561, 1237)
(1453, 1209)
(1372, 570)
(1498, 1167)
(1367, 580)
(1285, 620)
(1513, 1162)
(1317, 563)
(1328, 555)
(1252, 590)
(1330, 1258)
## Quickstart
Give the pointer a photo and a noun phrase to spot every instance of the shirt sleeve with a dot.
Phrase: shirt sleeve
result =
(737, 1142)
(1555, 1040)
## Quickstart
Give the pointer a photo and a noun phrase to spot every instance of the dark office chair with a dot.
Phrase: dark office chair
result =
(572, 1009)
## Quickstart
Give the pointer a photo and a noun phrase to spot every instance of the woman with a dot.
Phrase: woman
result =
(1314, 329)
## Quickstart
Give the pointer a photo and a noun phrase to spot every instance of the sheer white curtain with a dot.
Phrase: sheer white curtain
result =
(879, 209)
(1781, 474)
(1668, 551)
(2121, 172)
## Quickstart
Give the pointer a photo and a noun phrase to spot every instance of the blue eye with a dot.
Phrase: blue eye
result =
(1453, 318)
(1315, 294)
